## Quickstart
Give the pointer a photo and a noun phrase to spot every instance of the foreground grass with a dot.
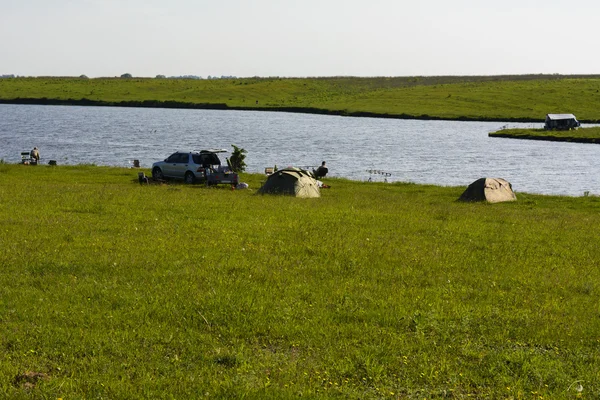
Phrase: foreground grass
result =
(582, 135)
(501, 98)
(116, 290)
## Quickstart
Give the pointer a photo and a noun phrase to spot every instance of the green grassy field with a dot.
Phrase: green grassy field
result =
(115, 290)
(582, 135)
(500, 98)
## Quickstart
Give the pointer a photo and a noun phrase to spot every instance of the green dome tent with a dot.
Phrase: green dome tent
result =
(291, 181)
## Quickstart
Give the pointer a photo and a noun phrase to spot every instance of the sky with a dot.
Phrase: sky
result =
(298, 38)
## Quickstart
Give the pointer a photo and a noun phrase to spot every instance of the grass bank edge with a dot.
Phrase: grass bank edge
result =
(581, 135)
(92, 174)
(511, 99)
(223, 106)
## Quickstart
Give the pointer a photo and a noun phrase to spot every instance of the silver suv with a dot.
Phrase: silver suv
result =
(195, 166)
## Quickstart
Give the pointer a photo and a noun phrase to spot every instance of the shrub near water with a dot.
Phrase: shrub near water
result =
(117, 290)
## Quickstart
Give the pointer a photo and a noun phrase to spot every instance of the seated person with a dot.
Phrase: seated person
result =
(321, 171)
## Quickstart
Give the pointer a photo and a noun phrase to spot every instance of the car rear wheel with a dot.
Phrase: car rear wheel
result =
(157, 174)
(189, 178)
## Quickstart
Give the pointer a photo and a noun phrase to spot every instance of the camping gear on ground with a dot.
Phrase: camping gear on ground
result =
(25, 157)
(142, 178)
(30, 157)
(291, 181)
(492, 190)
(378, 172)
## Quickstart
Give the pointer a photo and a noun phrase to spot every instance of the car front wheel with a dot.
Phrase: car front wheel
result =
(189, 178)
(157, 174)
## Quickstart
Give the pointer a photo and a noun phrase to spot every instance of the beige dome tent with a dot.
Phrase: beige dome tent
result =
(292, 181)
(493, 190)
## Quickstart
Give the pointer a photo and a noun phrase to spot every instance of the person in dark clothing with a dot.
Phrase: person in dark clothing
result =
(321, 171)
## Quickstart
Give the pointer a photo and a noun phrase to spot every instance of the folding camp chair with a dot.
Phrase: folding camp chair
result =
(25, 157)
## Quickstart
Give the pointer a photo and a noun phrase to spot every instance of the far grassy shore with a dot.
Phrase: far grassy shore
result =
(581, 135)
(111, 289)
(526, 98)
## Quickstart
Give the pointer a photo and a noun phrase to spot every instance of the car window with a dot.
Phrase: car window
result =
(173, 158)
(183, 158)
(178, 158)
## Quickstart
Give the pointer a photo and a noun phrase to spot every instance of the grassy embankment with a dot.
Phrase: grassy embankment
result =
(499, 98)
(116, 290)
(581, 135)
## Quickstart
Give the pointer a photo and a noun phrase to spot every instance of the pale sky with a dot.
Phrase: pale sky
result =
(298, 38)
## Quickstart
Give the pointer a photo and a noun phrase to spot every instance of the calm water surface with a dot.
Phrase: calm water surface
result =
(434, 152)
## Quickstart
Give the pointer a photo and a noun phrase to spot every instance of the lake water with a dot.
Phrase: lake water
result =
(449, 153)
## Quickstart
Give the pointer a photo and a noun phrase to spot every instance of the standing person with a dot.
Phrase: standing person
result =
(35, 155)
(321, 171)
